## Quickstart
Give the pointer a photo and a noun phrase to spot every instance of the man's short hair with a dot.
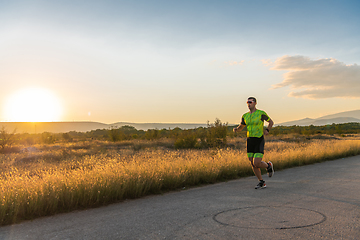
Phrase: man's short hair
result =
(252, 98)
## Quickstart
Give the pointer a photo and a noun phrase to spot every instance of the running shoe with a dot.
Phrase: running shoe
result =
(261, 184)
(270, 169)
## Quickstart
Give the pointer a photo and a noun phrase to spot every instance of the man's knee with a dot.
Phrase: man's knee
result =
(251, 159)
(257, 162)
(257, 165)
(252, 164)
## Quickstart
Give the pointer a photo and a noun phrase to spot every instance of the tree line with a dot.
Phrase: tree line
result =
(212, 136)
(331, 129)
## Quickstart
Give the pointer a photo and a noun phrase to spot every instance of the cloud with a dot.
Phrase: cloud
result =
(320, 78)
(267, 62)
(226, 64)
(233, 63)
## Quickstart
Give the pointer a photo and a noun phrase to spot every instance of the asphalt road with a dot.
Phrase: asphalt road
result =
(319, 201)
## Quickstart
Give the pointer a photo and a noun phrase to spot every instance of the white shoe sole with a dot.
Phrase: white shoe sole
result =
(272, 170)
(260, 187)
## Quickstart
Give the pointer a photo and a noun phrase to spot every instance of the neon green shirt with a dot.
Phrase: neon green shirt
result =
(255, 123)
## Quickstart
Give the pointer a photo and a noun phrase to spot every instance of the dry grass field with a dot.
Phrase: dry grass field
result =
(48, 179)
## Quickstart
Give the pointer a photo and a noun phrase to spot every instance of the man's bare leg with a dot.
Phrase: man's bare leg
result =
(256, 164)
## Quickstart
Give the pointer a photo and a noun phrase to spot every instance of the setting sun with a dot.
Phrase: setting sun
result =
(33, 105)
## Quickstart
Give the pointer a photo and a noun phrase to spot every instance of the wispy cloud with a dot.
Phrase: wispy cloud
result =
(267, 62)
(225, 64)
(233, 63)
(320, 78)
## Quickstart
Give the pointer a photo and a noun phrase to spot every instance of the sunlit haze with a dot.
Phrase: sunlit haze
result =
(32, 105)
(177, 61)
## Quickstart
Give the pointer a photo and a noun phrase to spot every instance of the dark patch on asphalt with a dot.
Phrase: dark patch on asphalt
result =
(269, 217)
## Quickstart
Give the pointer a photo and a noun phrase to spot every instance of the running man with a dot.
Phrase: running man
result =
(254, 121)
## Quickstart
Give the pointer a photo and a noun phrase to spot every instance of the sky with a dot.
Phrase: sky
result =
(177, 61)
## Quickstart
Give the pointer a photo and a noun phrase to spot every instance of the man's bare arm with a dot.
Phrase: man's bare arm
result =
(239, 128)
(271, 123)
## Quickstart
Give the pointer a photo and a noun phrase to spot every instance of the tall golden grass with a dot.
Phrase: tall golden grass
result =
(53, 181)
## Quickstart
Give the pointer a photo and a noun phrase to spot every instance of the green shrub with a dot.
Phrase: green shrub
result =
(48, 138)
(152, 134)
(216, 135)
(67, 137)
(187, 139)
(115, 134)
(6, 139)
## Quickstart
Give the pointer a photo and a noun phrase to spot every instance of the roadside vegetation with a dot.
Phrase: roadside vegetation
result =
(45, 174)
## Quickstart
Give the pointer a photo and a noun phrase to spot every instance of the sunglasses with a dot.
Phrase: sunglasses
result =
(249, 101)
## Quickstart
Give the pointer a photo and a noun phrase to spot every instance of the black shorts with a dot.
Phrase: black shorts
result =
(255, 147)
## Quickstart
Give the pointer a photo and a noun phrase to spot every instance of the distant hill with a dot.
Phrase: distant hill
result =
(338, 118)
(63, 127)
(301, 122)
(349, 114)
(146, 126)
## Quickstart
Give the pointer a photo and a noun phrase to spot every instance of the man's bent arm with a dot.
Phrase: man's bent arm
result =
(271, 123)
(239, 128)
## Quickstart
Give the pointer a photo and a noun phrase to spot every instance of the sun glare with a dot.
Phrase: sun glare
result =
(33, 105)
